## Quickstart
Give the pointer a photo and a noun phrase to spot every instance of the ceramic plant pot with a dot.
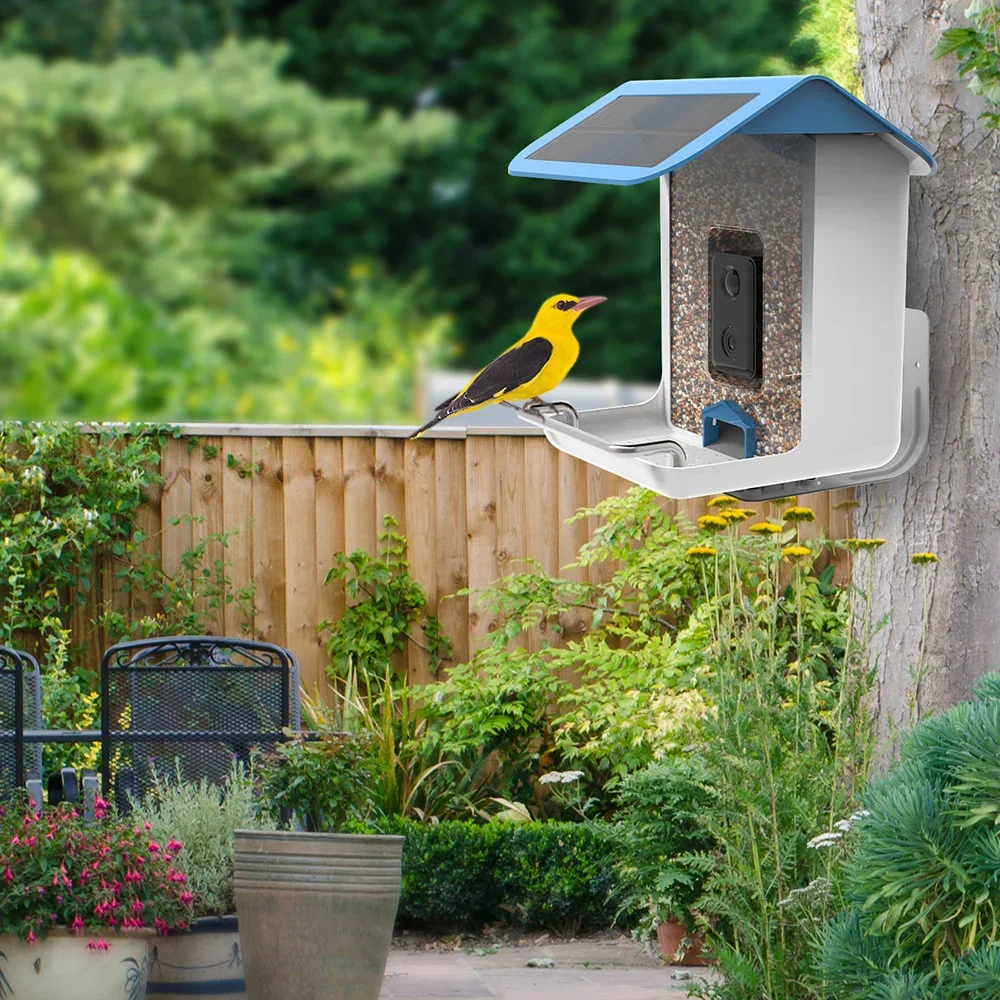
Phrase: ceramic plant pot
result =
(62, 966)
(672, 937)
(316, 912)
(205, 962)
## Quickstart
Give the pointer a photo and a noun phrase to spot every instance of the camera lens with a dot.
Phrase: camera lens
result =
(731, 282)
(729, 339)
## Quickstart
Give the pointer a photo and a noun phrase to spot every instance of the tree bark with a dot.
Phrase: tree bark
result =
(949, 503)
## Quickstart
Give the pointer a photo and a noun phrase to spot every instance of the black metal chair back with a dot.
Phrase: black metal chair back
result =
(190, 704)
(20, 702)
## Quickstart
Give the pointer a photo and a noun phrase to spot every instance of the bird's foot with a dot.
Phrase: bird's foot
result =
(559, 409)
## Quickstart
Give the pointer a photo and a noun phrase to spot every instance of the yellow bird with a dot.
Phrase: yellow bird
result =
(536, 364)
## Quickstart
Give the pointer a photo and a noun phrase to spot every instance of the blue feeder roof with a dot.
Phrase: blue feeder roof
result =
(646, 128)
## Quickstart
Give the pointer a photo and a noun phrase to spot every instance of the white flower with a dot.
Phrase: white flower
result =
(89, 516)
(824, 840)
(33, 474)
(560, 777)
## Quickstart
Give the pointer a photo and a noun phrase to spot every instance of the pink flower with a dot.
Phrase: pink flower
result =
(161, 926)
(137, 907)
(31, 937)
(186, 898)
(175, 876)
(8, 876)
(174, 846)
(153, 847)
(147, 825)
(78, 925)
(99, 945)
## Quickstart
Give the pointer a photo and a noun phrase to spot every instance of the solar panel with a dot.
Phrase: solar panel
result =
(641, 131)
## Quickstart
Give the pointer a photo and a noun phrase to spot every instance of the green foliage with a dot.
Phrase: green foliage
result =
(667, 850)
(410, 777)
(139, 271)
(462, 875)
(493, 247)
(65, 498)
(324, 781)
(191, 600)
(831, 28)
(978, 52)
(924, 865)
(641, 669)
(786, 749)
(204, 818)
(387, 602)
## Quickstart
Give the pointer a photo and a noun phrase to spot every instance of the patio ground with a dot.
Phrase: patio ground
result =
(588, 969)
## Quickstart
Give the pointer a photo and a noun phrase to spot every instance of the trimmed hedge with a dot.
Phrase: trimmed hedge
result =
(462, 875)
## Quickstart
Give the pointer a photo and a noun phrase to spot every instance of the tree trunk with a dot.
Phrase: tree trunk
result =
(950, 502)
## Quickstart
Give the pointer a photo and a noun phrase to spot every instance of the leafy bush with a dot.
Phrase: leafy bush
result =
(667, 849)
(95, 877)
(924, 866)
(204, 817)
(460, 875)
(323, 781)
(386, 604)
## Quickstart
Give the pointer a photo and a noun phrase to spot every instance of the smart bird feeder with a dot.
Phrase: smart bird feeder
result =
(790, 363)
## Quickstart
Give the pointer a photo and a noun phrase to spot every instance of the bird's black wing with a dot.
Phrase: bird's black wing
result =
(502, 374)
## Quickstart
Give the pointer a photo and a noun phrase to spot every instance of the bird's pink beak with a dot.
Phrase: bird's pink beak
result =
(587, 301)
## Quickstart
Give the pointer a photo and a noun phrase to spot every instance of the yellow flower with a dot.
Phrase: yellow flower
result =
(923, 558)
(799, 514)
(358, 272)
(767, 528)
(701, 552)
(796, 552)
(863, 544)
(712, 522)
(722, 501)
(847, 505)
(734, 515)
(784, 501)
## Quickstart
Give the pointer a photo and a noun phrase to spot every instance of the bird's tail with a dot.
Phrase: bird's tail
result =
(436, 419)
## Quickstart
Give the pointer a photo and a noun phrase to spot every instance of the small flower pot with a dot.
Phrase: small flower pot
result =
(62, 966)
(316, 912)
(202, 963)
(679, 946)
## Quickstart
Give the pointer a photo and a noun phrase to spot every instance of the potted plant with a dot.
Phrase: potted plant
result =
(80, 902)
(667, 853)
(317, 906)
(207, 962)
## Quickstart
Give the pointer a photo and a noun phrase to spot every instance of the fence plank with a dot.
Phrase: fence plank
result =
(512, 515)
(420, 477)
(330, 602)
(541, 526)
(481, 516)
(360, 526)
(301, 599)
(237, 519)
(390, 501)
(451, 534)
(268, 541)
(208, 509)
(572, 497)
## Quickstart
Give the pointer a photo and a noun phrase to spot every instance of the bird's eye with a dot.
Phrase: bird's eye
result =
(563, 304)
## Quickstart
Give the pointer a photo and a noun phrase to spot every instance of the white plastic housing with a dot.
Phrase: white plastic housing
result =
(863, 403)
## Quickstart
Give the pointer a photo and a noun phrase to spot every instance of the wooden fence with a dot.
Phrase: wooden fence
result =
(472, 505)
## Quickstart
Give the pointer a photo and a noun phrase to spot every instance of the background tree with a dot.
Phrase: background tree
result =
(950, 502)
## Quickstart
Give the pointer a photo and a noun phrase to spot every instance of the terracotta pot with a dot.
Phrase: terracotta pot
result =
(316, 912)
(62, 966)
(204, 963)
(672, 936)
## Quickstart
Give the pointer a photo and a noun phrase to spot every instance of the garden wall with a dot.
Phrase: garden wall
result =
(472, 505)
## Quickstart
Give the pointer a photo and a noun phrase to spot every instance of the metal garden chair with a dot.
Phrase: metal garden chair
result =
(190, 704)
(20, 703)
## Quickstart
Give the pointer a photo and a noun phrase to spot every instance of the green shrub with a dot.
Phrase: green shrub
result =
(662, 869)
(459, 875)
(924, 868)
(204, 818)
